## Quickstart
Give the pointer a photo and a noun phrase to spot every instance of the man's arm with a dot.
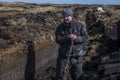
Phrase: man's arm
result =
(83, 37)
(61, 38)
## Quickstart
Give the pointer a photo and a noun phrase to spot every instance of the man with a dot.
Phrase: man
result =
(67, 32)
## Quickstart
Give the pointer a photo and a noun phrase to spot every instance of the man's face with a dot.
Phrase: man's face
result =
(67, 19)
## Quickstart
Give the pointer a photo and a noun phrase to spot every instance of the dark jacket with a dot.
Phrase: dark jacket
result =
(62, 32)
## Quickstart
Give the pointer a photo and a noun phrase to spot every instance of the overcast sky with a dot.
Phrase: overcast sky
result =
(68, 1)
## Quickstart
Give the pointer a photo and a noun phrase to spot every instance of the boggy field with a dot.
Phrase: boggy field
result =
(26, 28)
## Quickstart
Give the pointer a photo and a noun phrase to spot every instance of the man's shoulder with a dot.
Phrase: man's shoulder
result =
(76, 22)
(60, 26)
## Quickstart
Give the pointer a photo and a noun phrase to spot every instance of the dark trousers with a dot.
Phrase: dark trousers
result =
(74, 67)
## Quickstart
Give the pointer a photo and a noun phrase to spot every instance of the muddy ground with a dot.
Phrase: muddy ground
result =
(23, 23)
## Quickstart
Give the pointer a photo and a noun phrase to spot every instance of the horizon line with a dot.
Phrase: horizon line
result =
(59, 3)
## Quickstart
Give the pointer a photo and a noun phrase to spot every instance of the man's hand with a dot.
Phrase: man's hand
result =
(72, 37)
